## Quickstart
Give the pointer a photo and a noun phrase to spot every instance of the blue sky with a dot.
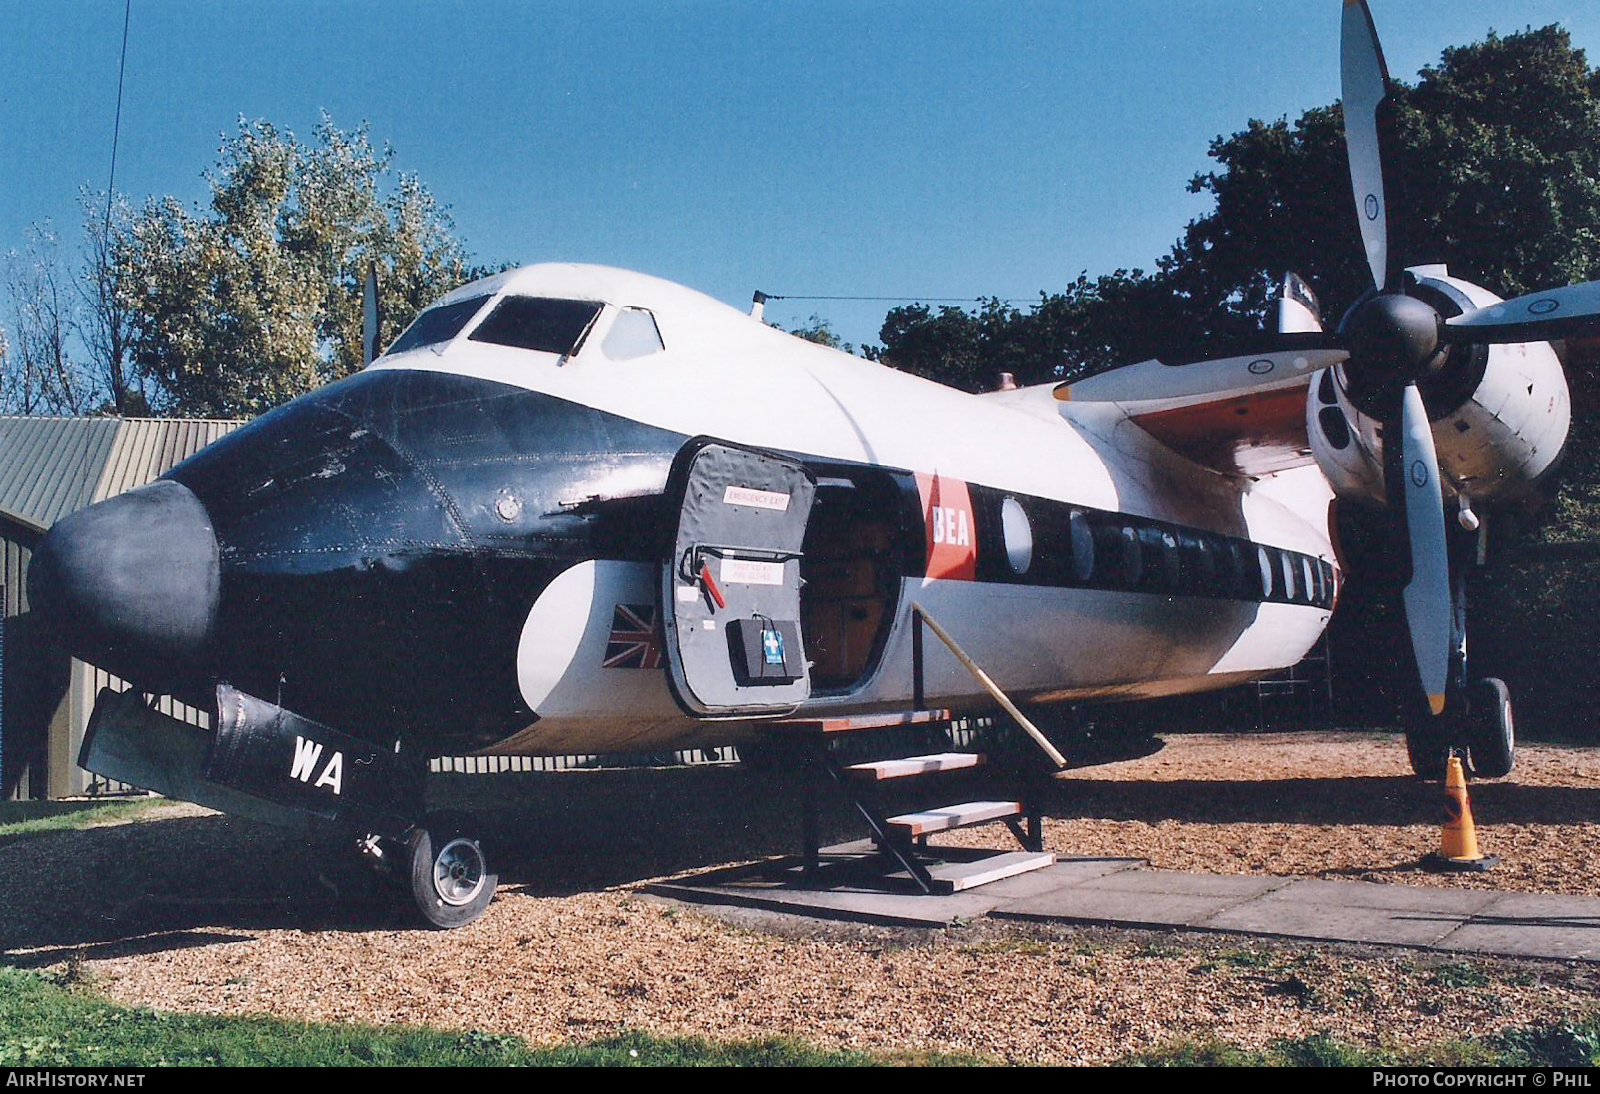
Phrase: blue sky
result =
(933, 149)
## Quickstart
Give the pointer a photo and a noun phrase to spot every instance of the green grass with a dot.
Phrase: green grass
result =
(1459, 975)
(18, 819)
(53, 1023)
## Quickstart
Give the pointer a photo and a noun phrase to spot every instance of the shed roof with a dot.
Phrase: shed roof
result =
(50, 467)
(147, 448)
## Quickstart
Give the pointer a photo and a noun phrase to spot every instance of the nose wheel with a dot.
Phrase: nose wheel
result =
(449, 877)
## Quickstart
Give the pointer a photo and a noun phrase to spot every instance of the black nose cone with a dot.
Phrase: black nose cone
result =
(132, 584)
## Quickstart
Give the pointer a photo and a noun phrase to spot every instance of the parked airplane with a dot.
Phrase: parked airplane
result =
(575, 509)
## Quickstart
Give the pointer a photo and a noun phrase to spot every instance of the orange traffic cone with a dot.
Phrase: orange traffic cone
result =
(1458, 842)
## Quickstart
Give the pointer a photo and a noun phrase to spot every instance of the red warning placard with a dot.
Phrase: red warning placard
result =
(952, 533)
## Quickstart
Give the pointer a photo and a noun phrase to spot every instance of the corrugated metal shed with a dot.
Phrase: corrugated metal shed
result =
(50, 467)
(147, 448)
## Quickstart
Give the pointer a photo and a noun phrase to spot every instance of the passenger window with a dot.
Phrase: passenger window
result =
(633, 334)
(1267, 582)
(1163, 568)
(1132, 557)
(538, 323)
(1247, 575)
(1017, 532)
(1082, 545)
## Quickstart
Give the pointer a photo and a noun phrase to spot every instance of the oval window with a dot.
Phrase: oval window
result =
(1132, 558)
(1173, 561)
(1286, 560)
(1082, 545)
(1265, 558)
(1018, 535)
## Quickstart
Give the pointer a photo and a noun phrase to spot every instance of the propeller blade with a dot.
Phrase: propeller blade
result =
(1291, 360)
(1427, 594)
(1555, 313)
(369, 317)
(1365, 85)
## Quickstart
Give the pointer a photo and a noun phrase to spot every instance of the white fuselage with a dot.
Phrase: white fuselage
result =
(725, 375)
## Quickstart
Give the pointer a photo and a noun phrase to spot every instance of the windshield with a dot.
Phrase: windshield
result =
(538, 323)
(438, 324)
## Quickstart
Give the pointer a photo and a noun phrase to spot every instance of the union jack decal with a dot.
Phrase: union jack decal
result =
(635, 641)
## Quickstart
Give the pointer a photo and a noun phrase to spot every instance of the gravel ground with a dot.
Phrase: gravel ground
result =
(1328, 805)
(191, 911)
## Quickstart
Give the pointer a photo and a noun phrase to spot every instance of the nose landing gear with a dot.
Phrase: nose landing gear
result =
(441, 867)
(447, 872)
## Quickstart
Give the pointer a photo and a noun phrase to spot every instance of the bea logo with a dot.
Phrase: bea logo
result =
(952, 542)
(951, 526)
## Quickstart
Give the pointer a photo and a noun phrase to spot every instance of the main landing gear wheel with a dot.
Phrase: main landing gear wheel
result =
(1492, 739)
(449, 874)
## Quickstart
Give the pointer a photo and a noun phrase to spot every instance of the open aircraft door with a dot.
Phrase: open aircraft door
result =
(731, 588)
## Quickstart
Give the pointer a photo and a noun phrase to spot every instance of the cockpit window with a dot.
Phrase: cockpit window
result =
(634, 334)
(438, 324)
(538, 323)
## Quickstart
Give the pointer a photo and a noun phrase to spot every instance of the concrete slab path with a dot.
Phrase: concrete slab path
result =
(1127, 893)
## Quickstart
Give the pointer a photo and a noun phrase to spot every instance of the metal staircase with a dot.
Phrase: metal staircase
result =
(900, 840)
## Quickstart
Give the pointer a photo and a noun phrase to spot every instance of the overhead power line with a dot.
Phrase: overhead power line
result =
(898, 299)
(116, 129)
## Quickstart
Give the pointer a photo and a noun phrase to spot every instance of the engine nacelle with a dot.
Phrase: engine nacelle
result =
(1500, 413)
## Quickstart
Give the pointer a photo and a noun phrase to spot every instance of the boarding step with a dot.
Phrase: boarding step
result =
(879, 770)
(953, 877)
(853, 723)
(947, 817)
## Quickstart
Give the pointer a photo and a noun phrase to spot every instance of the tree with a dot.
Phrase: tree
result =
(1090, 326)
(1497, 174)
(817, 330)
(1497, 171)
(242, 306)
(40, 376)
(104, 322)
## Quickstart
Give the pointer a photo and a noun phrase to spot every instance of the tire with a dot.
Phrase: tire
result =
(450, 882)
(1428, 751)
(1493, 743)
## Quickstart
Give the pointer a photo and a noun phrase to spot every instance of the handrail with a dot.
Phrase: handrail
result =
(994, 689)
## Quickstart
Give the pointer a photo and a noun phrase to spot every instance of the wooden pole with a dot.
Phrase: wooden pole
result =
(993, 689)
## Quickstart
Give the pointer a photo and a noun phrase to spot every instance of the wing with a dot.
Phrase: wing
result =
(1244, 414)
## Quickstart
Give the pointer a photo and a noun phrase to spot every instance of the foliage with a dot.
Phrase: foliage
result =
(1498, 176)
(39, 376)
(817, 330)
(104, 321)
(257, 299)
(44, 1025)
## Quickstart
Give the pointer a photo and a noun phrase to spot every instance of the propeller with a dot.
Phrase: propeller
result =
(370, 317)
(1388, 344)
(1364, 91)
(1394, 341)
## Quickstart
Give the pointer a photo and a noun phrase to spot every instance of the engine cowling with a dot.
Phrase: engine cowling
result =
(1500, 413)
